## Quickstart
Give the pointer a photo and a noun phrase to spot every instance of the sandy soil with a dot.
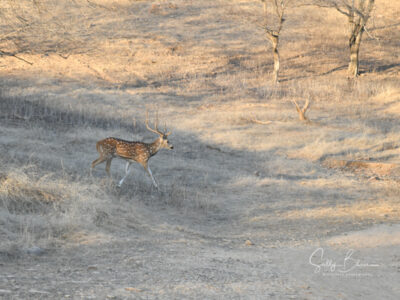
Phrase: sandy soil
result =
(287, 210)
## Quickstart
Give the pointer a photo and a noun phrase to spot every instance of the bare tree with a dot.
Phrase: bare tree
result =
(269, 16)
(358, 12)
(273, 22)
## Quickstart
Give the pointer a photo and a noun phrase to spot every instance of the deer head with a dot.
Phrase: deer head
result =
(163, 139)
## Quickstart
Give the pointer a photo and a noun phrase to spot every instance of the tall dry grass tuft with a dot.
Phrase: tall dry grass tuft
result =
(39, 210)
(21, 193)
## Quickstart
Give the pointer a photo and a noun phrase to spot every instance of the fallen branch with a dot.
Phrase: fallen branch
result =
(17, 57)
(64, 56)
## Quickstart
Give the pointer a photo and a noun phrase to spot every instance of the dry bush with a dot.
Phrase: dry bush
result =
(19, 194)
(43, 210)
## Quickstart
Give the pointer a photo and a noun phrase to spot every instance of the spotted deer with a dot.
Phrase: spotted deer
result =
(139, 152)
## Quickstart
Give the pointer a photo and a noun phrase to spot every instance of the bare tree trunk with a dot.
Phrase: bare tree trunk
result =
(273, 35)
(275, 41)
(358, 12)
(354, 44)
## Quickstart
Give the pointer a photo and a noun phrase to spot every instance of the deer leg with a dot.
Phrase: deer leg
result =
(98, 161)
(127, 171)
(147, 168)
(108, 165)
(127, 166)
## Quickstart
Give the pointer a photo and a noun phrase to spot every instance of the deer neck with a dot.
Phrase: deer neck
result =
(155, 146)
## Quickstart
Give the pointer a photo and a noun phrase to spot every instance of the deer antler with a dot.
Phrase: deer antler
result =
(165, 130)
(302, 111)
(156, 124)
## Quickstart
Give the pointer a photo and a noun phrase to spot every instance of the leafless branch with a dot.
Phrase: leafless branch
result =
(14, 55)
(256, 121)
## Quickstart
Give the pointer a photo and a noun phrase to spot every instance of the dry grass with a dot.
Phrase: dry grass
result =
(20, 195)
(93, 73)
(224, 81)
(379, 211)
(41, 210)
